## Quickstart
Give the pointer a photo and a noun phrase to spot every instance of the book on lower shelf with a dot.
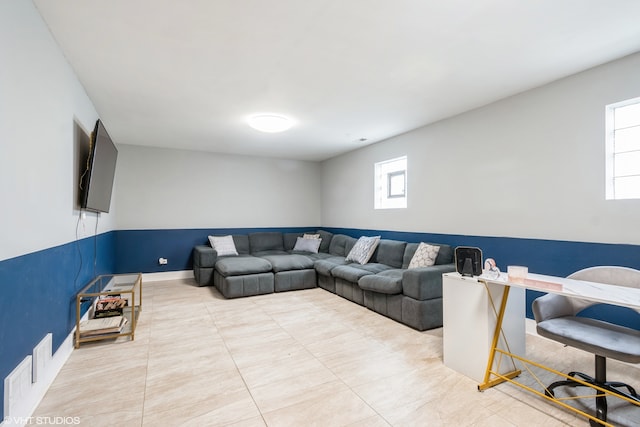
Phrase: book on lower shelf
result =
(102, 326)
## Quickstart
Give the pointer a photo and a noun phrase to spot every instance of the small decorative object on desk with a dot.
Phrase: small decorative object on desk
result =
(468, 261)
(517, 273)
(491, 270)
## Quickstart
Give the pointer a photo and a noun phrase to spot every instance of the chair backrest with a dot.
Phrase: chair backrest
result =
(610, 275)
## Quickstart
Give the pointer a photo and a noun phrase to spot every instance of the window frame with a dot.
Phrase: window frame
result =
(390, 177)
(384, 173)
(611, 192)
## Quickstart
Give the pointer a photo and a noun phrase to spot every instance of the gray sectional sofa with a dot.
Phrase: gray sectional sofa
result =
(267, 262)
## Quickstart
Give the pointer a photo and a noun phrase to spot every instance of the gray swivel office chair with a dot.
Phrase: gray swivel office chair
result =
(556, 319)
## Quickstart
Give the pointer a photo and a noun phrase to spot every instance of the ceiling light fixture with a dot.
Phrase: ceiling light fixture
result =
(270, 123)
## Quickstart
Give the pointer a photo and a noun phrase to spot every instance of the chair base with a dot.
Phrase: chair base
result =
(600, 380)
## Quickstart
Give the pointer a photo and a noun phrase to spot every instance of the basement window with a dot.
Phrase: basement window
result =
(390, 179)
(623, 150)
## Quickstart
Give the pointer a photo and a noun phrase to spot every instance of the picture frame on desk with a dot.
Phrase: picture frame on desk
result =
(468, 261)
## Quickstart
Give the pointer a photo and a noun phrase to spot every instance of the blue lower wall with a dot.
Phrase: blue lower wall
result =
(39, 289)
(139, 250)
(38, 295)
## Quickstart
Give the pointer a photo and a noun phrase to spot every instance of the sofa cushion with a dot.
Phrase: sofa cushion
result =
(349, 273)
(242, 243)
(363, 249)
(319, 255)
(289, 240)
(390, 252)
(241, 265)
(409, 251)
(289, 262)
(425, 256)
(271, 252)
(372, 267)
(445, 254)
(386, 282)
(223, 245)
(326, 240)
(324, 266)
(341, 244)
(266, 241)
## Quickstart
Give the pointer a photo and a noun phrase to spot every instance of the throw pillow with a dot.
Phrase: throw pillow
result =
(425, 256)
(307, 245)
(310, 236)
(223, 245)
(363, 249)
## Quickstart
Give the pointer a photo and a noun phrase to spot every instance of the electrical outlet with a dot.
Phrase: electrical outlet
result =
(163, 261)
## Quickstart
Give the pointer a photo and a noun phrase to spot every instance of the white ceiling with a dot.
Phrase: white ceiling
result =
(186, 74)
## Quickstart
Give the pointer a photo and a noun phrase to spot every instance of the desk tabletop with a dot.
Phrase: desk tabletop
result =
(592, 291)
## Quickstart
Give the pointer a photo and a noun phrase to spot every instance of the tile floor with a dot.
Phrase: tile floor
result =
(300, 358)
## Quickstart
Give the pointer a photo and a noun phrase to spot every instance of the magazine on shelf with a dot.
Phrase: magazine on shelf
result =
(102, 325)
(110, 305)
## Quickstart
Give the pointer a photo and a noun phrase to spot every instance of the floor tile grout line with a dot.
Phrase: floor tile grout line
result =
(148, 345)
(246, 386)
(341, 379)
(273, 307)
(148, 353)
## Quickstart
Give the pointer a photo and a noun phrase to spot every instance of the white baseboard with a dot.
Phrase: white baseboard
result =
(530, 326)
(167, 275)
(18, 412)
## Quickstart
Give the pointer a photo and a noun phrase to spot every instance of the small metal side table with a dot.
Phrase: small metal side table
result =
(127, 286)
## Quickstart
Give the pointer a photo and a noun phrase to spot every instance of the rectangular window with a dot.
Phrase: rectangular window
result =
(623, 150)
(391, 184)
(397, 184)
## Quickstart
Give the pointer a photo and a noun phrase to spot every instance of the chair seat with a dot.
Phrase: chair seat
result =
(595, 336)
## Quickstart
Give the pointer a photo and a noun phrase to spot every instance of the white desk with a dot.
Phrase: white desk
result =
(599, 292)
(469, 322)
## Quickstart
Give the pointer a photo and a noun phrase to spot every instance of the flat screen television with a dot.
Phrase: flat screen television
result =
(96, 183)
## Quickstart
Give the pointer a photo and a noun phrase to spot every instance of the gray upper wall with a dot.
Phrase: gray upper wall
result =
(45, 116)
(529, 166)
(165, 188)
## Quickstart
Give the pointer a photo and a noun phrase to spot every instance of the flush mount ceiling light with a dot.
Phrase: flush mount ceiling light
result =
(270, 123)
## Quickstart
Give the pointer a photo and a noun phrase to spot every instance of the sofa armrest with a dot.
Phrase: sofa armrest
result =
(204, 256)
(425, 283)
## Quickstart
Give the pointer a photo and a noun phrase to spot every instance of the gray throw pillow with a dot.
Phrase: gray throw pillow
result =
(363, 250)
(307, 245)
